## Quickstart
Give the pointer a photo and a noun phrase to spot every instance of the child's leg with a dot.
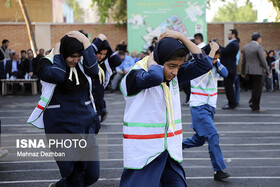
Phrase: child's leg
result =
(173, 175)
(91, 172)
(194, 141)
(73, 177)
(215, 152)
(150, 175)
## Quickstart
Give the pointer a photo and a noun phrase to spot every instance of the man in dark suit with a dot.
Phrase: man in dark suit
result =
(228, 59)
(254, 65)
(13, 67)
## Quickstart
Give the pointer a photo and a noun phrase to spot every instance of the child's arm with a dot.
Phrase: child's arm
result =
(190, 70)
(140, 79)
(177, 35)
(221, 69)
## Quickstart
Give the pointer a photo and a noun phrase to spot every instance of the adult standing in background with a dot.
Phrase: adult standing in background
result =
(2, 69)
(5, 49)
(254, 65)
(198, 40)
(228, 59)
(6, 52)
(237, 78)
(274, 76)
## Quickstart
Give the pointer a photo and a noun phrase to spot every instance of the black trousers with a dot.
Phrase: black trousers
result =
(98, 95)
(230, 93)
(256, 81)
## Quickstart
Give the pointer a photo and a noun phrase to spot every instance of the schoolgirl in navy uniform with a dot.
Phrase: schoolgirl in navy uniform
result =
(68, 106)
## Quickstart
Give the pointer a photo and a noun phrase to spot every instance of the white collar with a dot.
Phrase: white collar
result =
(231, 40)
(201, 45)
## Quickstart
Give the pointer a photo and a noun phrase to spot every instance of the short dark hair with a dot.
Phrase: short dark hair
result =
(198, 36)
(30, 50)
(270, 51)
(121, 53)
(256, 36)
(5, 41)
(22, 51)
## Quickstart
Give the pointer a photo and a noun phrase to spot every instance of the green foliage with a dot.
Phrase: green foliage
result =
(208, 2)
(276, 5)
(8, 3)
(232, 13)
(115, 9)
(78, 11)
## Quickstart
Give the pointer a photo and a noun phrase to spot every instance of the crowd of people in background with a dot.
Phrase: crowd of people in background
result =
(24, 66)
(93, 66)
(15, 66)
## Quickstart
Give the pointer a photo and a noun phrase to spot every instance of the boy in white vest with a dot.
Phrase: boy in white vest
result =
(152, 130)
(203, 103)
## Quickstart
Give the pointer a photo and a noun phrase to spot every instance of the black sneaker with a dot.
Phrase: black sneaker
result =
(104, 116)
(220, 175)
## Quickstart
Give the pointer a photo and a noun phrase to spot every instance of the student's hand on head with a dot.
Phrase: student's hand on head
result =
(214, 46)
(170, 34)
(151, 60)
(80, 37)
(56, 48)
(102, 37)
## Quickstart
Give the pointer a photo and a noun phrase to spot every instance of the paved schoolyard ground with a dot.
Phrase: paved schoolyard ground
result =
(250, 143)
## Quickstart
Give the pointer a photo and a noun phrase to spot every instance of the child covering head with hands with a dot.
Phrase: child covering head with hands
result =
(152, 129)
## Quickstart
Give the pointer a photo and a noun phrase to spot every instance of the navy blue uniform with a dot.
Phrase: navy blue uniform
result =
(70, 111)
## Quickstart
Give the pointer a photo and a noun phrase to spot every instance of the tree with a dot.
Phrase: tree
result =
(28, 24)
(232, 13)
(78, 11)
(276, 5)
(115, 9)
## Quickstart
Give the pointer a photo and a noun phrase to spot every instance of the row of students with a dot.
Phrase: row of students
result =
(152, 137)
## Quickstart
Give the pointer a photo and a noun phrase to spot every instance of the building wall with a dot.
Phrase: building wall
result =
(215, 31)
(48, 34)
(46, 37)
(57, 6)
(38, 10)
(68, 13)
(113, 33)
(16, 34)
(269, 31)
